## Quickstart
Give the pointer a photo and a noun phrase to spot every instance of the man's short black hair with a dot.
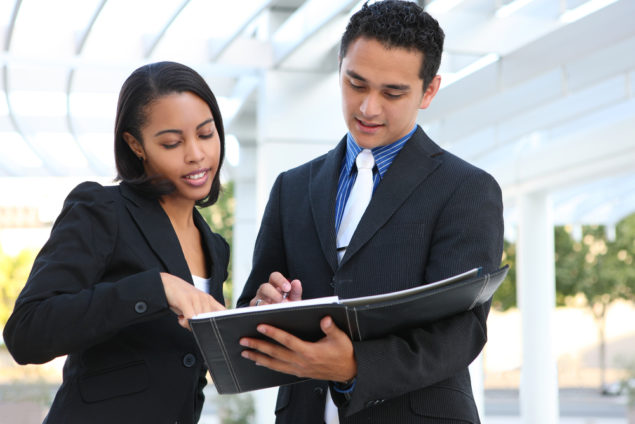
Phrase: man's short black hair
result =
(396, 23)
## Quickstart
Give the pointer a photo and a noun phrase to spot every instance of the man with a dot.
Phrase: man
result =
(431, 215)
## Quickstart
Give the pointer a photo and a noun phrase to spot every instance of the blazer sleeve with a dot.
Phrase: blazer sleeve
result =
(468, 234)
(65, 305)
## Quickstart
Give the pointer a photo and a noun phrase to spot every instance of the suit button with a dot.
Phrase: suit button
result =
(318, 391)
(140, 307)
(189, 360)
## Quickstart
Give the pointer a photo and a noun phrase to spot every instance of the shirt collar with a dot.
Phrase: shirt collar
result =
(383, 155)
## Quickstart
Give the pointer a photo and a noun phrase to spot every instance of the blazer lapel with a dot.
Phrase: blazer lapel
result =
(323, 179)
(409, 169)
(158, 231)
(216, 273)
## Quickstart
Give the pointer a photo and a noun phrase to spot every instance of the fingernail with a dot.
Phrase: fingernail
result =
(244, 342)
(261, 329)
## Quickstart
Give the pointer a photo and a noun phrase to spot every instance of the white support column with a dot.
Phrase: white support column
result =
(477, 375)
(536, 299)
(298, 119)
(245, 218)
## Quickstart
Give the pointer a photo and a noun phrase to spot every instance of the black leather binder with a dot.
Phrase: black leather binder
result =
(218, 333)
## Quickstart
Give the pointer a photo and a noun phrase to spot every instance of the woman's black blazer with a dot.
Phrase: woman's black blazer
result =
(95, 294)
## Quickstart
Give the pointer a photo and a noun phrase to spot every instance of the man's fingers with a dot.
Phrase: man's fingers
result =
(296, 290)
(280, 282)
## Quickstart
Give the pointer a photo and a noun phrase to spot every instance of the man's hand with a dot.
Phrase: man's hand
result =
(277, 289)
(330, 358)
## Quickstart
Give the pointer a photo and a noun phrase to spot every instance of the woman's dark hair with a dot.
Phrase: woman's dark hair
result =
(144, 86)
(396, 23)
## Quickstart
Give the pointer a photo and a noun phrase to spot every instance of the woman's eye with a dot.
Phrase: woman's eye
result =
(171, 145)
(207, 136)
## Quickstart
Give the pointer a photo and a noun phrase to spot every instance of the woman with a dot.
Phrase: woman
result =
(121, 260)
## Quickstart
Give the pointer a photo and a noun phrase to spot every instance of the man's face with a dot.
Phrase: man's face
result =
(382, 91)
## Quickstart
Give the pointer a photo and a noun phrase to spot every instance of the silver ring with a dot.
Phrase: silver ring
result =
(258, 302)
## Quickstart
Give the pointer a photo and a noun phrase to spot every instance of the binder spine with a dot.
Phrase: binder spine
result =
(232, 372)
(480, 298)
(353, 324)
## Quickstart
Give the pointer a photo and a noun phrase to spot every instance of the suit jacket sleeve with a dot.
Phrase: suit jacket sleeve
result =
(65, 306)
(269, 248)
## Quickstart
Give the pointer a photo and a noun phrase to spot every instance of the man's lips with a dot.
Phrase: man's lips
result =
(368, 126)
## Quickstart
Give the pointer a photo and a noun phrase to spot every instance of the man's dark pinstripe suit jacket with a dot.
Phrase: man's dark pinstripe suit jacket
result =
(433, 215)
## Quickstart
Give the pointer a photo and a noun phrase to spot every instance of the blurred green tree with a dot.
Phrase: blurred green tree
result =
(596, 267)
(220, 218)
(599, 268)
(14, 270)
(505, 296)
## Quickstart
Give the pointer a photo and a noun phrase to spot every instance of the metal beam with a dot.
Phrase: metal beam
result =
(93, 162)
(54, 170)
(305, 22)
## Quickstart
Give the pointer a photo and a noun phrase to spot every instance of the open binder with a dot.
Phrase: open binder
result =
(363, 318)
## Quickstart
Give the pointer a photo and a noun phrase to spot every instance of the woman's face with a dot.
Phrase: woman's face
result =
(180, 143)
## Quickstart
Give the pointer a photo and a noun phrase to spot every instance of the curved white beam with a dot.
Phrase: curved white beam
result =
(305, 22)
(95, 164)
(54, 169)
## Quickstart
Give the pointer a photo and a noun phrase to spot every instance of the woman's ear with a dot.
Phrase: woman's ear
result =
(134, 145)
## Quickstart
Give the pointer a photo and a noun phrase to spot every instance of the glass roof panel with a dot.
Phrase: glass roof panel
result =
(15, 151)
(61, 22)
(125, 29)
(85, 105)
(38, 103)
(62, 149)
(202, 26)
(100, 145)
(4, 109)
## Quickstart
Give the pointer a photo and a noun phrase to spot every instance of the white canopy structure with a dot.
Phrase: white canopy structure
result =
(540, 93)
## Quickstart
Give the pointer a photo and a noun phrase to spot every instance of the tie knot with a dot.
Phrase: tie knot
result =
(365, 160)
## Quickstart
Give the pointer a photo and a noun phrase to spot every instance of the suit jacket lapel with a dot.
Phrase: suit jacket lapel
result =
(323, 179)
(158, 231)
(410, 167)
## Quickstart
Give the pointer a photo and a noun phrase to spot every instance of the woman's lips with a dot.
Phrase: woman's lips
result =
(197, 178)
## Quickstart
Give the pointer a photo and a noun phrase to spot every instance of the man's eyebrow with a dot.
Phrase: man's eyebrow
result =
(355, 75)
(173, 131)
(399, 87)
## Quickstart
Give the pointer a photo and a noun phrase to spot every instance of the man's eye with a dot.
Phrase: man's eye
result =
(355, 86)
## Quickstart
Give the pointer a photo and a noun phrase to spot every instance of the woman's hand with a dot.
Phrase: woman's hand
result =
(185, 300)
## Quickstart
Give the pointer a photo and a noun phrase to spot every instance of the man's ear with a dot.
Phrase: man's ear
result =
(134, 145)
(430, 92)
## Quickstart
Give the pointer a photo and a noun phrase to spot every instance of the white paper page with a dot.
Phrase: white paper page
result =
(274, 306)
